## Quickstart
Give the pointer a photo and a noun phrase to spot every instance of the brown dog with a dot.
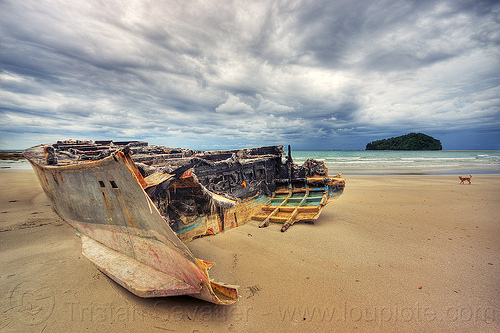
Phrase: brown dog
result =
(463, 179)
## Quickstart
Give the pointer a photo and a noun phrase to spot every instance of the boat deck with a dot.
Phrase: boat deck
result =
(300, 201)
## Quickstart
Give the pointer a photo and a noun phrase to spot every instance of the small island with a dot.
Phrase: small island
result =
(412, 141)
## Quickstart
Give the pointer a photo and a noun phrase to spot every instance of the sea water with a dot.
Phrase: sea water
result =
(19, 164)
(375, 162)
(383, 162)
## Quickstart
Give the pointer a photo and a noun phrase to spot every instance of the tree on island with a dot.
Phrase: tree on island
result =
(412, 141)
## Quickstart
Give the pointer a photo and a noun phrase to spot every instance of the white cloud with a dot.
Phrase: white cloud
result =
(233, 105)
(229, 72)
(271, 107)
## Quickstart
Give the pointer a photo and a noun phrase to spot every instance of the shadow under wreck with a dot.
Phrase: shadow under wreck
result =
(136, 204)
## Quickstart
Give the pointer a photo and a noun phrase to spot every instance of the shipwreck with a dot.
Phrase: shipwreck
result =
(135, 205)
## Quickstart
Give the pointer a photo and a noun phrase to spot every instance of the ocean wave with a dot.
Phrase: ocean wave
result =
(437, 158)
(389, 161)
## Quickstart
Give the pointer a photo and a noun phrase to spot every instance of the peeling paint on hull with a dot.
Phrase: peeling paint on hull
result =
(135, 211)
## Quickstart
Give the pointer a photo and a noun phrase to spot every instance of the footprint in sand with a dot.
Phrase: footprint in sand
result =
(253, 290)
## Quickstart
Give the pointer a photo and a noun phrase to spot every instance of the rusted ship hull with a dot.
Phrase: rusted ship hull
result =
(135, 205)
(124, 234)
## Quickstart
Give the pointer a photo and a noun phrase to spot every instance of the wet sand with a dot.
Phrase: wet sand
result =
(394, 253)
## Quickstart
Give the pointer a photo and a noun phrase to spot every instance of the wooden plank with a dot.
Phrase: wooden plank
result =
(291, 220)
(259, 217)
(265, 223)
(278, 219)
(309, 209)
(286, 209)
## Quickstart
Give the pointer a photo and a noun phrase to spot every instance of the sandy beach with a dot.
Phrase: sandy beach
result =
(393, 253)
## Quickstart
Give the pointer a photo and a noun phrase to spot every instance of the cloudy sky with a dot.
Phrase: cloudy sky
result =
(315, 74)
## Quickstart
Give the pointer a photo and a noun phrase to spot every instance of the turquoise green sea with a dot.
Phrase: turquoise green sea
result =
(375, 162)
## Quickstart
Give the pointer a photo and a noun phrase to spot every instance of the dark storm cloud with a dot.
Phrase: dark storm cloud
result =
(222, 74)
